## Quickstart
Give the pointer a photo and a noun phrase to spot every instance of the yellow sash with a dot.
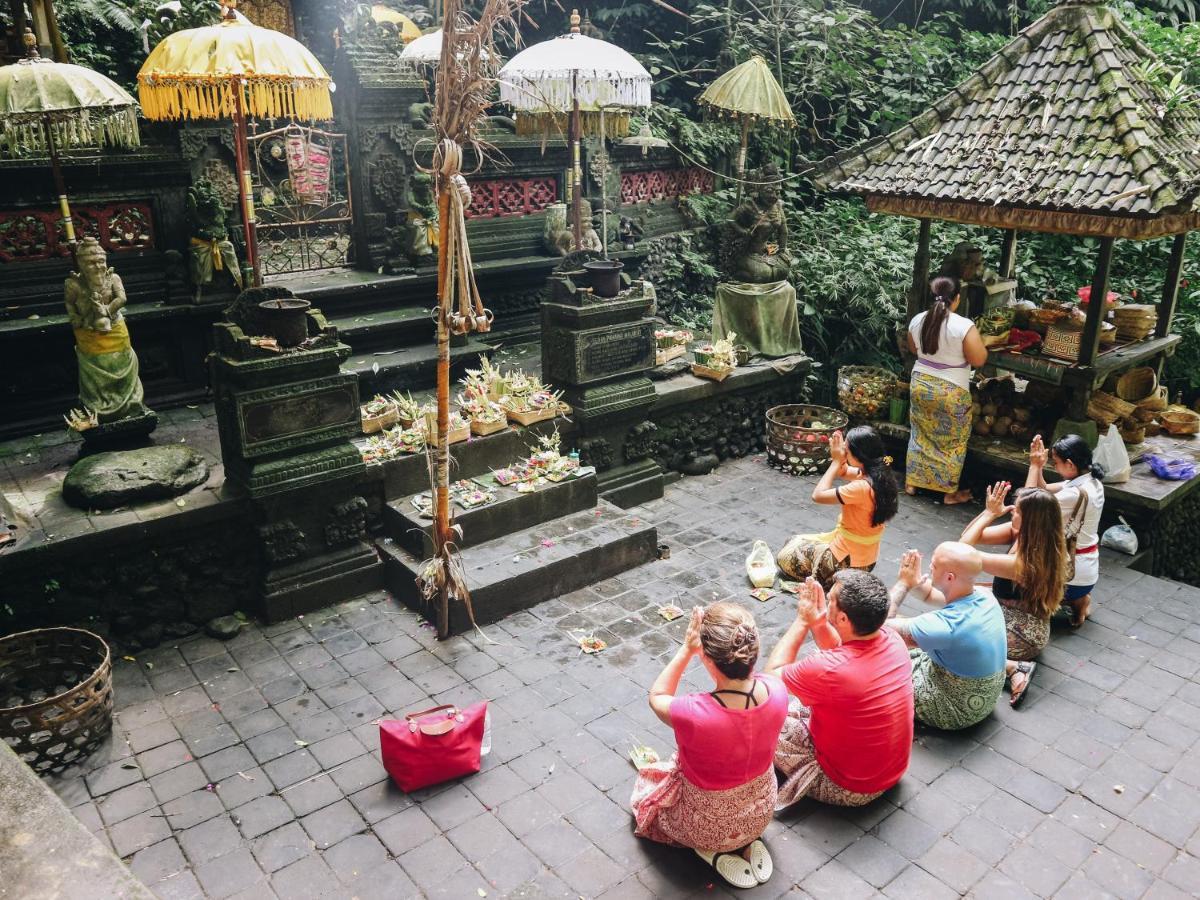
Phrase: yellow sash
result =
(213, 247)
(94, 343)
(840, 529)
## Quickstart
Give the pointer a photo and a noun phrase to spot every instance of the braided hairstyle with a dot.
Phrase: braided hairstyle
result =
(729, 638)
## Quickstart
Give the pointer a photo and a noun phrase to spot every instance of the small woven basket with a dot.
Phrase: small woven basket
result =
(56, 691)
(1063, 342)
(1156, 401)
(798, 437)
(1137, 384)
(1181, 421)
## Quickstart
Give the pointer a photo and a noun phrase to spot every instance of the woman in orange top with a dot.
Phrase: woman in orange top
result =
(868, 500)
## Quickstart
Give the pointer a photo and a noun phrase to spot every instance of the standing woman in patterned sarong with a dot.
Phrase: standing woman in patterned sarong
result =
(717, 795)
(947, 346)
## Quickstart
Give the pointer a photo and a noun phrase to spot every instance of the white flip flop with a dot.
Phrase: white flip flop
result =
(760, 862)
(733, 867)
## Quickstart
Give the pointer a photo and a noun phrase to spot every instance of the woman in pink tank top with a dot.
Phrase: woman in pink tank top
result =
(717, 794)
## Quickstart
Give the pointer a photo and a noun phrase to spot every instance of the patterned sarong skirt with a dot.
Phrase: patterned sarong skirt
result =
(947, 701)
(670, 809)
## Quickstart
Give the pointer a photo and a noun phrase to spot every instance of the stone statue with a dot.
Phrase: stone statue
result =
(109, 386)
(756, 301)
(211, 251)
(629, 232)
(558, 237)
(419, 233)
(755, 249)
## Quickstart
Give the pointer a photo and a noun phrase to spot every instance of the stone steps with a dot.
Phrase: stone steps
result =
(520, 570)
(512, 511)
(409, 367)
(380, 329)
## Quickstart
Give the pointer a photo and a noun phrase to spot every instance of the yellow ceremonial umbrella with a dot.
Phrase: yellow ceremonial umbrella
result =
(749, 94)
(407, 27)
(227, 71)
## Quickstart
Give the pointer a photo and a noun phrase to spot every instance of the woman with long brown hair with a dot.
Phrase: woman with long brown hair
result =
(717, 795)
(946, 345)
(1028, 580)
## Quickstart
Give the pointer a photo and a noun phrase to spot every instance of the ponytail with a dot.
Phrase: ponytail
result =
(944, 289)
(1075, 449)
(866, 446)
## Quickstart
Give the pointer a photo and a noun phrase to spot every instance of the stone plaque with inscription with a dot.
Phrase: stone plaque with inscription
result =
(583, 357)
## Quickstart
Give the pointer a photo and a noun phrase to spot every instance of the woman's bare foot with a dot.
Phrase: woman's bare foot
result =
(911, 491)
(1082, 608)
(963, 496)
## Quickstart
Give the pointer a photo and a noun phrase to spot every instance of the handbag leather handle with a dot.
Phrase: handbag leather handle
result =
(426, 712)
(433, 729)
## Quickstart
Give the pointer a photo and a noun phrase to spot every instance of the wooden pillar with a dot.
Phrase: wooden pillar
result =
(1170, 297)
(918, 294)
(1008, 255)
(1090, 342)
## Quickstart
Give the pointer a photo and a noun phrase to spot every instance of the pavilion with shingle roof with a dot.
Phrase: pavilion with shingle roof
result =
(1071, 128)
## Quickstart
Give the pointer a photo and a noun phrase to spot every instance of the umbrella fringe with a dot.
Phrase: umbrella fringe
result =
(27, 134)
(549, 124)
(268, 97)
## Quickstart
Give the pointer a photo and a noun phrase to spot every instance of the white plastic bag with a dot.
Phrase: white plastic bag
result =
(1121, 538)
(760, 565)
(1112, 456)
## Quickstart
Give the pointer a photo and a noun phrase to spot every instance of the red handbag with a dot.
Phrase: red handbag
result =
(433, 745)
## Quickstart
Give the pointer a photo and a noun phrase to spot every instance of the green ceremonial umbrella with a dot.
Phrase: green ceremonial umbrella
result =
(47, 106)
(749, 94)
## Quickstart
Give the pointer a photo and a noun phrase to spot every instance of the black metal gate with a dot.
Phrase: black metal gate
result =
(302, 200)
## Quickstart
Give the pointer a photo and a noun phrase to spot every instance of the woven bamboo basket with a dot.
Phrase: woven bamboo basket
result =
(865, 391)
(386, 419)
(1156, 402)
(1063, 342)
(1132, 432)
(56, 691)
(1137, 384)
(798, 437)
(1107, 409)
(481, 429)
(1181, 421)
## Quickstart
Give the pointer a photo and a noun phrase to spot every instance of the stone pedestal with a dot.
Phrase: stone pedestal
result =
(598, 352)
(285, 422)
(763, 316)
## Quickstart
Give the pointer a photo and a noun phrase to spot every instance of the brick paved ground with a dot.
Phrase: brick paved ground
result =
(1092, 789)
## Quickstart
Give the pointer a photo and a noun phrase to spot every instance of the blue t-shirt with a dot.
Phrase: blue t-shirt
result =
(966, 637)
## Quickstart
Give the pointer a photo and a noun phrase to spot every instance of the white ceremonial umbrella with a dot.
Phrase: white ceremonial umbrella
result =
(587, 84)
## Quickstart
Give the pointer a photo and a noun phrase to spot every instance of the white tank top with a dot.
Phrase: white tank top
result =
(949, 363)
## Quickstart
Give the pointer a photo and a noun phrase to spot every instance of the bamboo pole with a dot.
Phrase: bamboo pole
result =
(241, 152)
(741, 160)
(441, 528)
(60, 185)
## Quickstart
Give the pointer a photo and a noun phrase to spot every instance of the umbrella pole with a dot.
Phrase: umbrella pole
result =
(741, 165)
(603, 190)
(60, 185)
(441, 527)
(576, 179)
(241, 153)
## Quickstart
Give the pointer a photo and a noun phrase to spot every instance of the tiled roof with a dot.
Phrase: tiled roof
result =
(1068, 116)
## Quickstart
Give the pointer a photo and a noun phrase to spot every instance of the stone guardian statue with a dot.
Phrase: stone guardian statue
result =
(109, 387)
(757, 302)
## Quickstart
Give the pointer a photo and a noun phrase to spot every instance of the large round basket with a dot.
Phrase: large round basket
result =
(55, 695)
(1137, 384)
(798, 437)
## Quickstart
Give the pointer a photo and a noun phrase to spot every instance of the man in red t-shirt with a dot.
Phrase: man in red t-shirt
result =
(849, 738)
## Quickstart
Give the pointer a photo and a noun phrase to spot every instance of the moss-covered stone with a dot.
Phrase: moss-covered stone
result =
(109, 480)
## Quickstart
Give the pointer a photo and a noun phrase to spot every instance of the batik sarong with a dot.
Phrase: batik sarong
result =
(940, 425)
(796, 760)
(671, 810)
(1027, 634)
(810, 554)
(947, 701)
